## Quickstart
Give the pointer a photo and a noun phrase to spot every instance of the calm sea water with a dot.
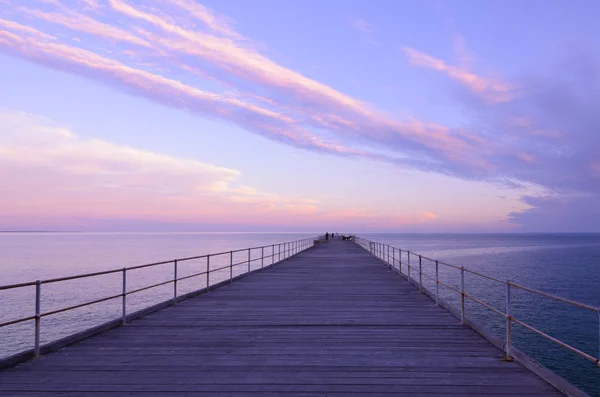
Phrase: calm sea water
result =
(567, 265)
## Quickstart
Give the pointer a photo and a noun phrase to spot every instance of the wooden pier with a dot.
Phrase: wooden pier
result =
(331, 321)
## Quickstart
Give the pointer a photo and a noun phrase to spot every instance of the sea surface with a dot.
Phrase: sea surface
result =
(564, 264)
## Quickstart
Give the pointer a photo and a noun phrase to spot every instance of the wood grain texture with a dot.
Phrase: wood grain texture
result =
(332, 321)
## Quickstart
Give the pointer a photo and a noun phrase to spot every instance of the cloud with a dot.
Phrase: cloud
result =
(563, 213)
(487, 89)
(52, 178)
(361, 25)
(365, 30)
(428, 215)
(218, 24)
(46, 170)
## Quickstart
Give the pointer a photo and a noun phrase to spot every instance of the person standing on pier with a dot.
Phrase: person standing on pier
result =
(327, 236)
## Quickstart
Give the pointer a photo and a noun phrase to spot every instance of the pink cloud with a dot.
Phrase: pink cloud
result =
(50, 170)
(82, 23)
(487, 89)
(430, 216)
(217, 24)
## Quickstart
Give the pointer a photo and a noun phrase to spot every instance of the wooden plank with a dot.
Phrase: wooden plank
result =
(330, 321)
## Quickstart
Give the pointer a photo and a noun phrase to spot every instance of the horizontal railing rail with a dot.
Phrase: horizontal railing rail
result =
(393, 259)
(275, 254)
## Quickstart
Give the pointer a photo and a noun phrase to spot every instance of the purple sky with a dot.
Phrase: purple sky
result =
(411, 116)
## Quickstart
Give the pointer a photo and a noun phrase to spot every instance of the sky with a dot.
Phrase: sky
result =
(300, 115)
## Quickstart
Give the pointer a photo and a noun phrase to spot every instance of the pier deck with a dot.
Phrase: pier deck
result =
(331, 321)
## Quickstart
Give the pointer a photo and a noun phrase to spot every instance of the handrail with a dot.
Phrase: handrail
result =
(380, 250)
(275, 253)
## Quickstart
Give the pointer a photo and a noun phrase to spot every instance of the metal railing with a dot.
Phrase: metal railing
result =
(278, 253)
(395, 258)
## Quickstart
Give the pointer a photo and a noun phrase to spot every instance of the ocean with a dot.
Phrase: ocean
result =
(564, 264)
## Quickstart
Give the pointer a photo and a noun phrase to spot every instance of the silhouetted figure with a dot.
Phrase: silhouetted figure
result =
(327, 236)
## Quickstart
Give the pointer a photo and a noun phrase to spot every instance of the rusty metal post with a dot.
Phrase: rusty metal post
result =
(38, 318)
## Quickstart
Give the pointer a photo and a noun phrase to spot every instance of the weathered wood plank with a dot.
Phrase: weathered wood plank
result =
(330, 321)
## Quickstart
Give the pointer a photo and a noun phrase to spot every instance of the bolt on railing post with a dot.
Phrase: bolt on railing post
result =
(420, 274)
(207, 272)
(124, 300)
(175, 281)
(408, 265)
(38, 318)
(230, 266)
(262, 257)
(437, 283)
(462, 295)
(248, 260)
(508, 323)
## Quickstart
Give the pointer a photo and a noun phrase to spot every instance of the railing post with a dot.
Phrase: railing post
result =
(508, 323)
(175, 282)
(248, 260)
(462, 295)
(388, 254)
(124, 300)
(437, 283)
(400, 260)
(420, 274)
(262, 257)
(394, 257)
(279, 252)
(408, 265)
(207, 273)
(230, 266)
(38, 318)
